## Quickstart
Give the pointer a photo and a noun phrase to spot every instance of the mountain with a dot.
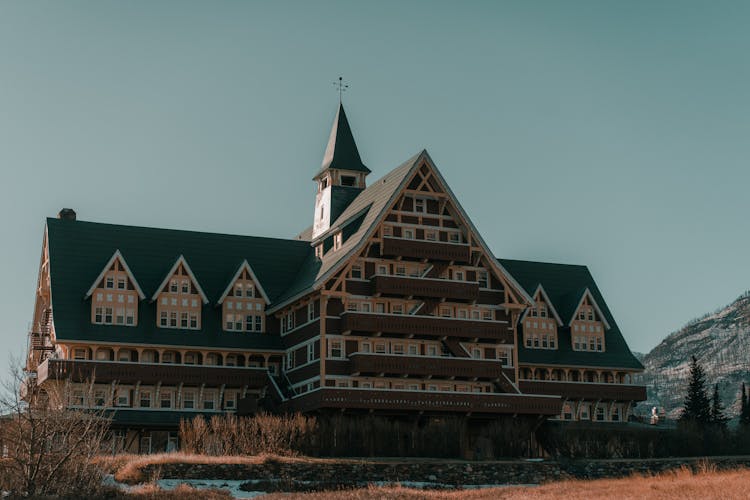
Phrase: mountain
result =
(721, 342)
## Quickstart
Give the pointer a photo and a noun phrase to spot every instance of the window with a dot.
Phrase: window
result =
(184, 320)
(397, 349)
(336, 349)
(352, 307)
(79, 354)
(600, 416)
(173, 319)
(430, 235)
(379, 307)
(130, 317)
(419, 205)
(108, 315)
(432, 350)
(387, 231)
(482, 279)
(503, 356)
(193, 321)
(459, 276)
(397, 309)
(250, 291)
(311, 311)
(189, 358)
(99, 398)
(121, 283)
(356, 272)
(110, 282)
(445, 312)
(249, 323)
(98, 316)
(258, 323)
(173, 286)
(290, 360)
(123, 355)
(383, 270)
(380, 347)
(123, 397)
(209, 400)
(348, 180)
(365, 307)
(168, 358)
(476, 353)
(413, 349)
(185, 286)
(409, 234)
(165, 399)
(400, 270)
(145, 399)
(310, 352)
(454, 237)
(528, 341)
(230, 400)
(365, 347)
(188, 400)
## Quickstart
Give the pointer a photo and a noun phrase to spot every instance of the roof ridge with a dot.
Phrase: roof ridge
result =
(166, 229)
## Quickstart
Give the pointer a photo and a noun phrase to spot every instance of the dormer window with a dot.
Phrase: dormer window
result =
(243, 294)
(121, 288)
(180, 298)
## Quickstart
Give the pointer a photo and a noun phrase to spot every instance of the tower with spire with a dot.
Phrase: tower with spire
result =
(341, 176)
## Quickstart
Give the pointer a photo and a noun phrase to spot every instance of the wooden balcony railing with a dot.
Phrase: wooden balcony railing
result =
(151, 373)
(584, 390)
(425, 287)
(421, 249)
(426, 326)
(425, 401)
(391, 364)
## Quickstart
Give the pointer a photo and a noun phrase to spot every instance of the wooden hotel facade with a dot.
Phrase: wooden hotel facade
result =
(391, 302)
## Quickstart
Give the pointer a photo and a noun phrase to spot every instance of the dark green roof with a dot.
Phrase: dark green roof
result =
(80, 250)
(342, 197)
(341, 151)
(159, 419)
(565, 285)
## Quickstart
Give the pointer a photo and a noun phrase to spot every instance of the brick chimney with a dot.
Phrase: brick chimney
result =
(67, 214)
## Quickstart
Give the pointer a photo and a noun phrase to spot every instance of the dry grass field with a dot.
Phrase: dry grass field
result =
(682, 485)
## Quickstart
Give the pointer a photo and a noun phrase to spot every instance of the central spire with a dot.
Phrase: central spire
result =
(341, 151)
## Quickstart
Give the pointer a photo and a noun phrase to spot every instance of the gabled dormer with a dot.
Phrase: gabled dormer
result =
(588, 325)
(179, 298)
(244, 302)
(341, 177)
(540, 322)
(115, 294)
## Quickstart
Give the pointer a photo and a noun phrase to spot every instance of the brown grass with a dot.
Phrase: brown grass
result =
(181, 492)
(128, 468)
(682, 485)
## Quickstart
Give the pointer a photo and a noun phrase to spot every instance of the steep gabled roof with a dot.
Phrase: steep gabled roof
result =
(258, 286)
(116, 256)
(587, 294)
(540, 289)
(77, 249)
(341, 151)
(180, 261)
(565, 286)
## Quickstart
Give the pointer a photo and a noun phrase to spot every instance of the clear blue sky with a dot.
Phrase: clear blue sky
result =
(613, 134)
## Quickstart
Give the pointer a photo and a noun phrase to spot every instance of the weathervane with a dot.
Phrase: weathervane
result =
(341, 87)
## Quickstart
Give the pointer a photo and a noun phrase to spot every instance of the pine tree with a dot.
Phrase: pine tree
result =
(697, 404)
(718, 417)
(744, 407)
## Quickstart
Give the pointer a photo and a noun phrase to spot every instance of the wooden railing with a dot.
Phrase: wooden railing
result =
(433, 250)
(150, 373)
(584, 390)
(427, 326)
(425, 401)
(392, 364)
(425, 287)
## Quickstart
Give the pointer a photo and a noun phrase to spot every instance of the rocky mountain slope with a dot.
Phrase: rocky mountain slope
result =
(720, 341)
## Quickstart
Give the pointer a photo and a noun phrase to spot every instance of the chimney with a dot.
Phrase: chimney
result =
(67, 214)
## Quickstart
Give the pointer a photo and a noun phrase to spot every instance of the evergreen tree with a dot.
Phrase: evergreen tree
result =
(717, 409)
(744, 407)
(697, 404)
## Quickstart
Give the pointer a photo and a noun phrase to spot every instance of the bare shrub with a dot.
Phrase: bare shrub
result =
(259, 434)
(49, 448)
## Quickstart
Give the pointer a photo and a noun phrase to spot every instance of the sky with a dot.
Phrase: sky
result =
(611, 134)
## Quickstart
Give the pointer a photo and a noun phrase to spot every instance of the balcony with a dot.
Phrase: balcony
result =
(426, 326)
(399, 401)
(584, 390)
(151, 373)
(391, 364)
(422, 249)
(425, 287)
